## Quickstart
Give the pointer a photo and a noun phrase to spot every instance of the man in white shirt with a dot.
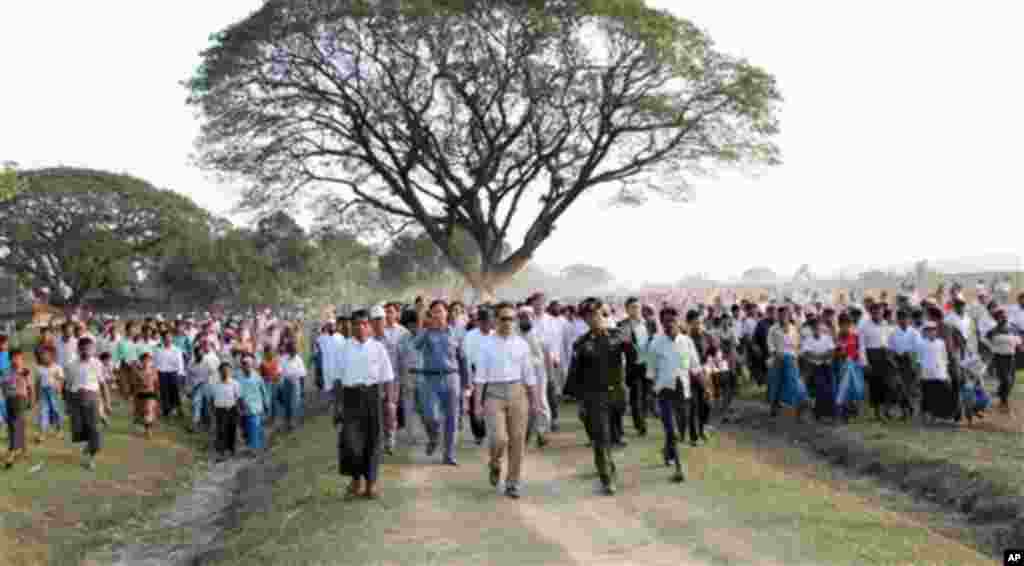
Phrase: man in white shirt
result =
(170, 365)
(551, 330)
(905, 344)
(85, 375)
(505, 380)
(205, 374)
(635, 327)
(876, 373)
(390, 342)
(671, 358)
(367, 384)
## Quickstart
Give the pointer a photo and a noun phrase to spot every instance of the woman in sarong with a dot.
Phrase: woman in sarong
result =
(848, 369)
(784, 384)
(817, 352)
(149, 385)
(937, 391)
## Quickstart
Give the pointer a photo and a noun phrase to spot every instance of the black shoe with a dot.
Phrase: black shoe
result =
(480, 441)
(431, 447)
(608, 488)
(451, 462)
(495, 476)
(555, 427)
(641, 432)
(541, 441)
(693, 442)
(512, 490)
(678, 476)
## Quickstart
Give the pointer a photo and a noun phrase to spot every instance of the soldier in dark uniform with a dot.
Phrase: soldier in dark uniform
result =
(596, 378)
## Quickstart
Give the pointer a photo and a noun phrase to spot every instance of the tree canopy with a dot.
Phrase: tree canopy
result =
(453, 115)
(80, 230)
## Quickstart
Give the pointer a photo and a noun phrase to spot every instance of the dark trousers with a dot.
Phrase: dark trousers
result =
(1003, 366)
(596, 412)
(700, 410)
(170, 399)
(877, 376)
(639, 390)
(673, 409)
(616, 414)
(554, 399)
(359, 442)
(17, 420)
(227, 428)
(87, 408)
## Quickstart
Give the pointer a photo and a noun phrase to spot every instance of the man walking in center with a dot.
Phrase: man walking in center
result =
(367, 383)
(596, 378)
(505, 381)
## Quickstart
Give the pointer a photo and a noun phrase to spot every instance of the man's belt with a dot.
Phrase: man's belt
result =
(361, 386)
(434, 373)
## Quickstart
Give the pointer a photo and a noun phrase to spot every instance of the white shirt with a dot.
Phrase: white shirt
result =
(1015, 316)
(365, 363)
(337, 348)
(226, 394)
(505, 359)
(961, 323)
(67, 352)
(293, 368)
(872, 335)
(169, 360)
(471, 346)
(392, 336)
(934, 360)
(670, 360)
(821, 345)
(85, 375)
(208, 367)
(639, 328)
(551, 330)
(749, 326)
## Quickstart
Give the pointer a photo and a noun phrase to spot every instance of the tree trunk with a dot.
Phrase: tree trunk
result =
(486, 283)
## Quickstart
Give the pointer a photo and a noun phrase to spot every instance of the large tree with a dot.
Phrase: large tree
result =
(79, 230)
(452, 115)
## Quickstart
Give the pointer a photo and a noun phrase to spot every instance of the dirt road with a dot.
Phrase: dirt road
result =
(739, 506)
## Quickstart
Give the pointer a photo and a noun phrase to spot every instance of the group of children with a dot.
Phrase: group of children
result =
(151, 367)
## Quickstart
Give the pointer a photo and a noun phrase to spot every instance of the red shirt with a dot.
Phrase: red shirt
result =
(849, 346)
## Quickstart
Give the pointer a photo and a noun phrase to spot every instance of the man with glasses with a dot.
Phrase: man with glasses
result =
(505, 381)
(596, 377)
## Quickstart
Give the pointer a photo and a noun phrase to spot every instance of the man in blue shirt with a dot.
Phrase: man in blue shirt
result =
(438, 381)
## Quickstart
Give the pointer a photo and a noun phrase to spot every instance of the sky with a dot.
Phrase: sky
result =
(901, 130)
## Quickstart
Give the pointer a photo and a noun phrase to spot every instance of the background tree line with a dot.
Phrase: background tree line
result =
(106, 239)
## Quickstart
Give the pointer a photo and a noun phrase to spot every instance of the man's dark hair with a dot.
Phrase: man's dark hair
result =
(438, 302)
(692, 316)
(361, 314)
(504, 305)
(668, 311)
(409, 317)
(631, 301)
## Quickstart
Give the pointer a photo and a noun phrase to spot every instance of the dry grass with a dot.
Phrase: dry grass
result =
(52, 514)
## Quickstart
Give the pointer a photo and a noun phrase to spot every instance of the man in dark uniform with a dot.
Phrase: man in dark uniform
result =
(597, 379)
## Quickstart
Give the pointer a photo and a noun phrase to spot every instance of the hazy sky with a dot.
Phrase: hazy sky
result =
(896, 113)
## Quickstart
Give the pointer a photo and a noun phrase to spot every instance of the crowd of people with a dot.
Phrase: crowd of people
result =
(418, 374)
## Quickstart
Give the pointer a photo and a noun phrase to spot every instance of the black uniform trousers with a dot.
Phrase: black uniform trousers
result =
(596, 413)
(639, 391)
(362, 428)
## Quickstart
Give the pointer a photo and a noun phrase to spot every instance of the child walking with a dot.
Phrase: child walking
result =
(49, 384)
(226, 394)
(18, 392)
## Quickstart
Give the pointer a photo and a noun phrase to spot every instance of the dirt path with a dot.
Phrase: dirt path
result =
(561, 518)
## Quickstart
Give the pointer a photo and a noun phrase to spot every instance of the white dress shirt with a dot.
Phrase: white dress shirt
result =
(365, 363)
(669, 361)
(505, 359)
(337, 348)
(551, 330)
(392, 336)
(169, 360)
(208, 368)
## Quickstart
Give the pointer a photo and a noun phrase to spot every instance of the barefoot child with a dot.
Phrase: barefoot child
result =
(18, 392)
(149, 384)
(49, 385)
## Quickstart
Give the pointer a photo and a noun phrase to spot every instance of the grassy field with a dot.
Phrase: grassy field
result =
(50, 514)
(993, 447)
(737, 507)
